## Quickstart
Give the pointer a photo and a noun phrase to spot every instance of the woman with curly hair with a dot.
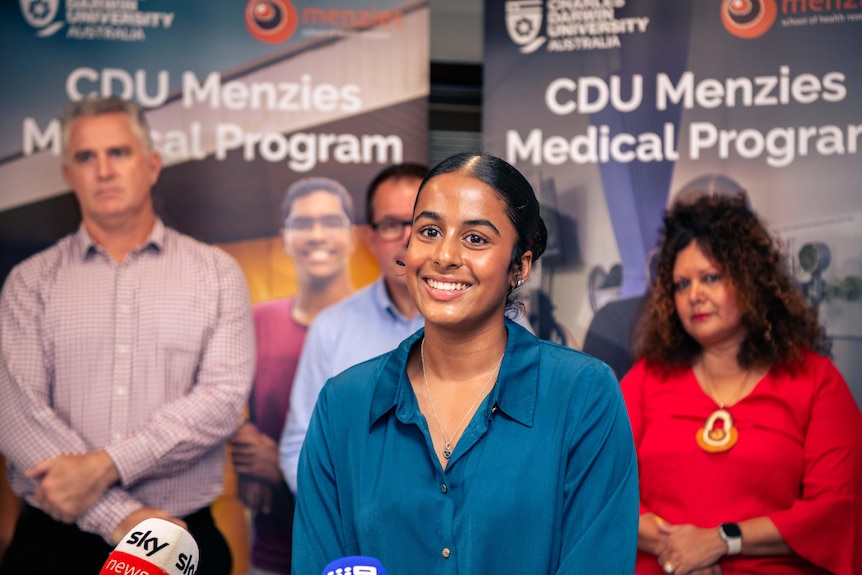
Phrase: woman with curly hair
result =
(749, 441)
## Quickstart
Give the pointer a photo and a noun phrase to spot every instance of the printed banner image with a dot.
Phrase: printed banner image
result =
(244, 99)
(616, 106)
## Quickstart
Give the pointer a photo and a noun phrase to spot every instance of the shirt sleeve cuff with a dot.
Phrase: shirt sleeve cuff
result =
(104, 517)
(132, 458)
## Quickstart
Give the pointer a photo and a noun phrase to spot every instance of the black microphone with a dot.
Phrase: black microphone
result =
(355, 565)
(154, 547)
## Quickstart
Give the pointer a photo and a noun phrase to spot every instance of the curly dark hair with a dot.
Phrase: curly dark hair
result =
(778, 321)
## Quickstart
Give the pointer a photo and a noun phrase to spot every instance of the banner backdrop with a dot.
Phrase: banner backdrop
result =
(244, 98)
(612, 107)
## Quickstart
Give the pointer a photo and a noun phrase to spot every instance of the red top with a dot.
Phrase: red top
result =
(279, 340)
(798, 461)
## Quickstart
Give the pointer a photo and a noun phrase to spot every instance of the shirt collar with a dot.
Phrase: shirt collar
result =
(382, 299)
(88, 245)
(515, 392)
(519, 375)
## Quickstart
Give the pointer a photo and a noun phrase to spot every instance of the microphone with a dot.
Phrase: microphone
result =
(154, 547)
(355, 565)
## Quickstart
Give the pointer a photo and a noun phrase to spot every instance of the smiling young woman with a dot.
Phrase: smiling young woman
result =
(473, 442)
(460, 271)
(460, 268)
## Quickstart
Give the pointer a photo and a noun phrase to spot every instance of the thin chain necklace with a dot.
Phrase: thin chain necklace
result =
(711, 390)
(718, 433)
(447, 451)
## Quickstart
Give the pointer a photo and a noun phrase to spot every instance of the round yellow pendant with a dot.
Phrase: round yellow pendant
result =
(718, 433)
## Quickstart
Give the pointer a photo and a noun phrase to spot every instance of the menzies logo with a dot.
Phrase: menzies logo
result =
(40, 14)
(523, 22)
(748, 18)
(271, 21)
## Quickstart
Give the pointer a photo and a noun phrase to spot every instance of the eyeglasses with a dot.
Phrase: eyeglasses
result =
(390, 229)
(305, 224)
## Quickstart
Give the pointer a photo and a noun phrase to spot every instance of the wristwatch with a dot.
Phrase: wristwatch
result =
(731, 534)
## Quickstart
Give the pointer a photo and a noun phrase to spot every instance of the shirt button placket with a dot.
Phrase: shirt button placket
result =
(447, 517)
(123, 334)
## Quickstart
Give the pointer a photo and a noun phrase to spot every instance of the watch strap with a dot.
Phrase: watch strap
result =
(731, 534)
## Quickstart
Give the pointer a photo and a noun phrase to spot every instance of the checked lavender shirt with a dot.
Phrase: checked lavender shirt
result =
(151, 359)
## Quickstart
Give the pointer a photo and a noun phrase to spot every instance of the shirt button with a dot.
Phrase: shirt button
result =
(122, 349)
(123, 308)
(119, 390)
(446, 553)
(443, 488)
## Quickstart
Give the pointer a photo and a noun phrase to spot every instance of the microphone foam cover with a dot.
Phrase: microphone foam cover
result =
(154, 547)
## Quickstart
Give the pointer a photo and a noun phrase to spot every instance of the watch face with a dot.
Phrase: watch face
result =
(731, 530)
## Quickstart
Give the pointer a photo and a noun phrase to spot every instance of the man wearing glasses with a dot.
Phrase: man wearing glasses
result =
(372, 321)
(318, 236)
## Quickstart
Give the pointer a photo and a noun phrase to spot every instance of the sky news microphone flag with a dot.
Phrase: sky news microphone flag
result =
(154, 547)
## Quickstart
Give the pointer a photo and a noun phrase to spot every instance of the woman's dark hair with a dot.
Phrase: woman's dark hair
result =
(512, 187)
(778, 321)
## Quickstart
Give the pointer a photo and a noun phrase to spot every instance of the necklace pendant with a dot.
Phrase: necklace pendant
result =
(447, 453)
(718, 433)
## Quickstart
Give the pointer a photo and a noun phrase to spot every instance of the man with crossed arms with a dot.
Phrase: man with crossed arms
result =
(126, 358)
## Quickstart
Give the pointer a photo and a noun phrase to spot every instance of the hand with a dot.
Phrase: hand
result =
(139, 515)
(70, 484)
(689, 549)
(255, 494)
(255, 454)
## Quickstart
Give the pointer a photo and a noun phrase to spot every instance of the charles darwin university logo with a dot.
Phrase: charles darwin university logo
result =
(271, 21)
(40, 14)
(523, 22)
(748, 18)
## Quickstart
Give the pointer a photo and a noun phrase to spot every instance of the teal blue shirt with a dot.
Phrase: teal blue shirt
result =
(543, 480)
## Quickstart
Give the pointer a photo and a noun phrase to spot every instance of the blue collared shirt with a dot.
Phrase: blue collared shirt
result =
(543, 479)
(357, 328)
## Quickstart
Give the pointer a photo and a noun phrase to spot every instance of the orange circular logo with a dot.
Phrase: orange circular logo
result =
(271, 21)
(748, 18)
